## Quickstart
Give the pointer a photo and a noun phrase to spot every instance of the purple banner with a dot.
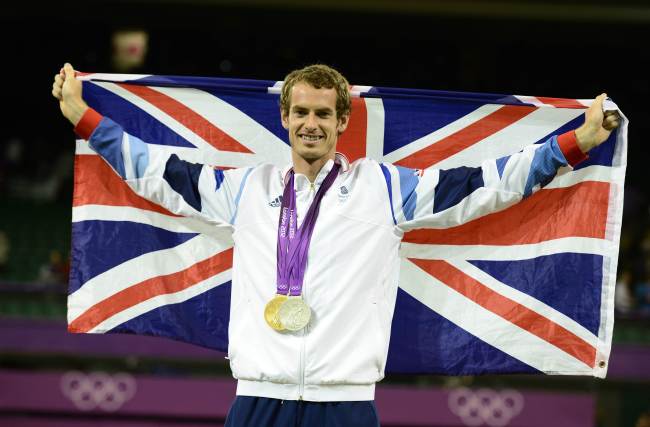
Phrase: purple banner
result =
(125, 397)
(483, 407)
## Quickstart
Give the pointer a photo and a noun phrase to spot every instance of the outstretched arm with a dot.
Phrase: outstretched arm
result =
(181, 187)
(445, 198)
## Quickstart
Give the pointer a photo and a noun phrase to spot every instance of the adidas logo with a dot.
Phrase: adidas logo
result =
(275, 203)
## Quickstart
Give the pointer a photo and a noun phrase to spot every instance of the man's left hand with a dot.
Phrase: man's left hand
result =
(597, 126)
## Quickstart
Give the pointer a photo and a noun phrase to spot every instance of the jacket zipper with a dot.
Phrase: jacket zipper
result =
(301, 387)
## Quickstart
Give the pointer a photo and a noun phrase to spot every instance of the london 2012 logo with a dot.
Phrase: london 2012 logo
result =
(98, 390)
(485, 407)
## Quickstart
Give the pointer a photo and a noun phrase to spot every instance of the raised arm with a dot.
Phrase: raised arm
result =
(67, 89)
(181, 187)
(445, 198)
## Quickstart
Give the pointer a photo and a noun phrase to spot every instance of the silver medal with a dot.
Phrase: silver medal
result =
(294, 314)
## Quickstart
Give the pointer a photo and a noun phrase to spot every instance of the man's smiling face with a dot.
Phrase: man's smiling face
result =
(312, 122)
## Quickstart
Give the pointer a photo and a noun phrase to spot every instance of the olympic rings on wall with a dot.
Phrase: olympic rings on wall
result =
(98, 390)
(485, 406)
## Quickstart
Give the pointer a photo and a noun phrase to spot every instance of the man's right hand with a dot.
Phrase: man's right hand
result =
(67, 89)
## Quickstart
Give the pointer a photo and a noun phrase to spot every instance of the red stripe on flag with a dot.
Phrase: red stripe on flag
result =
(561, 102)
(510, 310)
(576, 211)
(151, 288)
(466, 137)
(188, 118)
(352, 142)
(95, 183)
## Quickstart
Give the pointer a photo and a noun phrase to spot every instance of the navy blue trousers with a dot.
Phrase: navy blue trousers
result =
(248, 411)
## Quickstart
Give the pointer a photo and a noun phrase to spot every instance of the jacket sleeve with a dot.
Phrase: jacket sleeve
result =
(153, 172)
(436, 198)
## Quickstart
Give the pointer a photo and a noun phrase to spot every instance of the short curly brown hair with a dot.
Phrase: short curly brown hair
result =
(318, 76)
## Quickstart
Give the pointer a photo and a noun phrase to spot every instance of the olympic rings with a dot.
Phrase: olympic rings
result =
(98, 390)
(485, 406)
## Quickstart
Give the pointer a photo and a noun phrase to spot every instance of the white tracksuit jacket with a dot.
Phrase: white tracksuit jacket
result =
(353, 266)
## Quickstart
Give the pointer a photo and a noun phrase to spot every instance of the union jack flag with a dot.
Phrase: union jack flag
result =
(528, 289)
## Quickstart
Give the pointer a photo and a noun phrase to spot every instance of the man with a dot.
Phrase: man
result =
(310, 317)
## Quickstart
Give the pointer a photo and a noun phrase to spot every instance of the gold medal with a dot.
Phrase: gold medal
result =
(271, 312)
(294, 314)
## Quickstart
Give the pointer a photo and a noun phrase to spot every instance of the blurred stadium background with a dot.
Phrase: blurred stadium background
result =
(542, 47)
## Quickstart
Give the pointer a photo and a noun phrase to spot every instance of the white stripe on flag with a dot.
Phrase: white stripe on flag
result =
(263, 143)
(192, 97)
(192, 155)
(141, 268)
(567, 177)
(375, 128)
(513, 138)
(445, 131)
(486, 325)
(526, 300)
(612, 233)
(162, 300)
(580, 245)
(156, 219)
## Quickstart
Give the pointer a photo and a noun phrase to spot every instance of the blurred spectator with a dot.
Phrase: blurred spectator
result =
(624, 298)
(4, 251)
(130, 46)
(643, 420)
(642, 290)
(645, 250)
(11, 160)
(48, 184)
(55, 272)
(632, 296)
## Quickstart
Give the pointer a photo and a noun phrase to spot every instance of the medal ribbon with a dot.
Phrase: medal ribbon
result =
(293, 242)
